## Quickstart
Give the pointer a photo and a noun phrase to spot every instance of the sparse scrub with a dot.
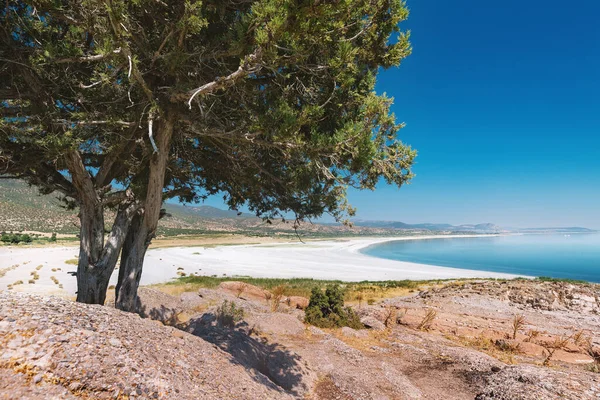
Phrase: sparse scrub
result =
(53, 278)
(360, 297)
(579, 338)
(31, 281)
(276, 296)
(303, 286)
(72, 261)
(391, 316)
(557, 344)
(268, 297)
(531, 335)
(326, 309)
(518, 323)
(508, 346)
(5, 270)
(229, 314)
(427, 320)
(595, 354)
(241, 289)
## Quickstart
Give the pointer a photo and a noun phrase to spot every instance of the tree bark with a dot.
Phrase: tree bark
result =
(130, 269)
(145, 223)
(97, 259)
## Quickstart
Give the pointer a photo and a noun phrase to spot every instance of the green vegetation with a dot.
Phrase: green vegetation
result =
(15, 238)
(303, 286)
(72, 261)
(228, 314)
(567, 280)
(294, 102)
(326, 309)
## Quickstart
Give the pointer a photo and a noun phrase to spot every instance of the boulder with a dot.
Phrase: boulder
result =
(276, 323)
(349, 332)
(298, 302)
(372, 323)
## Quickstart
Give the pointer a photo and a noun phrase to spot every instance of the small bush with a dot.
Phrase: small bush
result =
(326, 309)
(53, 237)
(518, 323)
(276, 296)
(228, 314)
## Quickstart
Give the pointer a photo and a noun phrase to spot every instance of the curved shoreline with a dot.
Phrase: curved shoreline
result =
(328, 259)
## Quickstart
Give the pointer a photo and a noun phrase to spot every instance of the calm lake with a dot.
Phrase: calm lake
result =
(575, 256)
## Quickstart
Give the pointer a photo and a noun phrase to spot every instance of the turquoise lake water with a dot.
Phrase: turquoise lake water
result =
(575, 257)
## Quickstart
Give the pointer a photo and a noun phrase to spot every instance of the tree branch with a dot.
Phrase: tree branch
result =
(95, 57)
(249, 65)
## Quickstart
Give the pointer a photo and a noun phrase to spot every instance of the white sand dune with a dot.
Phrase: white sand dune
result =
(331, 259)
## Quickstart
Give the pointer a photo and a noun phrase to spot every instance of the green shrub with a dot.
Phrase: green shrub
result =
(228, 314)
(53, 237)
(326, 309)
(15, 238)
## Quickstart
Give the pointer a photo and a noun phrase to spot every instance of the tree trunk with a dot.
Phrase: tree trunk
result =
(93, 279)
(130, 269)
(90, 247)
(146, 222)
(97, 259)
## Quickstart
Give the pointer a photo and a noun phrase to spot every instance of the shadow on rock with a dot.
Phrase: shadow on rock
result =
(283, 368)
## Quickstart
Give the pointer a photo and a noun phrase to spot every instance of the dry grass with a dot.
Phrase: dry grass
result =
(518, 323)
(241, 289)
(326, 389)
(276, 295)
(486, 345)
(532, 334)
(558, 343)
(360, 297)
(595, 354)
(391, 316)
(72, 261)
(427, 320)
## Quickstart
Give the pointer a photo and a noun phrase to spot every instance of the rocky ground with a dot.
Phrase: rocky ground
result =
(183, 347)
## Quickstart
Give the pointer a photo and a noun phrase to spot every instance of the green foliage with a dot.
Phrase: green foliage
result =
(567, 280)
(326, 309)
(15, 238)
(295, 123)
(229, 314)
(53, 237)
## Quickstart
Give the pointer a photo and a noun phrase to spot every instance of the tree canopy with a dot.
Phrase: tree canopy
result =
(271, 103)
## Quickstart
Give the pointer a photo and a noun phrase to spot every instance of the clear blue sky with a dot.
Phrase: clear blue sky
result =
(502, 102)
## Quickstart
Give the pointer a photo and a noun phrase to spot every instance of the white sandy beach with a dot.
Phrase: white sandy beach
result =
(332, 259)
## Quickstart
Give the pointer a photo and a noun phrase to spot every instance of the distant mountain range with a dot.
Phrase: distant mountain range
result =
(478, 228)
(22, 208)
